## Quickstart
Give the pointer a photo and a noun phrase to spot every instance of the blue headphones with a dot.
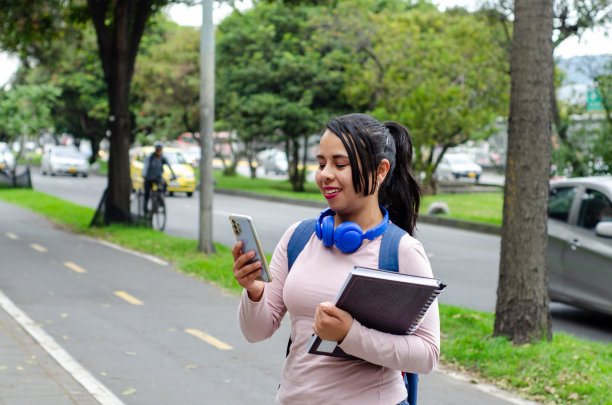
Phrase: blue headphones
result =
(348, 236)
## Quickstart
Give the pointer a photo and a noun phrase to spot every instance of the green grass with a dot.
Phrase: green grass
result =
(279, 188)
(484, 207)
(565, 370)
(30, 158)
(481, 207)
(103, 167)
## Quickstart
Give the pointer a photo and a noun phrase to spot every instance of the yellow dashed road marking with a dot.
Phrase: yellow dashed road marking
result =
(11, 235)
(36, 246)
(132, 300)
(75, 267)
(209, 339)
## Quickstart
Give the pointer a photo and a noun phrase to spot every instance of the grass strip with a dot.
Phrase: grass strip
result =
(566, 370)
(483, 207)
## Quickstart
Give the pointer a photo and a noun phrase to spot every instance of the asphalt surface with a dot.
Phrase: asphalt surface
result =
(36, 369)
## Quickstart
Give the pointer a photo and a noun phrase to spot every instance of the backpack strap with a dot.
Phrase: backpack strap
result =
(388, 260)
(299, 239)
(389, 248)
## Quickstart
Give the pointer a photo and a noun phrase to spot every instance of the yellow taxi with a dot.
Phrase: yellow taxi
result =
(185, 180)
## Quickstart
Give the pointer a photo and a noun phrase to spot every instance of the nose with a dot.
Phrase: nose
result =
(325, 174)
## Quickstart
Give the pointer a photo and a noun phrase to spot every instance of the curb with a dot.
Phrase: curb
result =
(423, 218)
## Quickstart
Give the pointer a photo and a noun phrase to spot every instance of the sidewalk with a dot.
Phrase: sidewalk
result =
(28, 373)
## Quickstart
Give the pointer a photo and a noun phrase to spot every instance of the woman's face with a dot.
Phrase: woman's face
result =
(334, 175)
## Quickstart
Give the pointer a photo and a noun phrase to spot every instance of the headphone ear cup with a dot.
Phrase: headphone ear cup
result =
(318, 230)
(327, 230)
(348, 237)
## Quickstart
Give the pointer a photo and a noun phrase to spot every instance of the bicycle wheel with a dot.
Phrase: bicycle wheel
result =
(158, 212)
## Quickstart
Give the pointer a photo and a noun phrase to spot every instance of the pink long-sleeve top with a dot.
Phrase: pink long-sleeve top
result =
(315, 277)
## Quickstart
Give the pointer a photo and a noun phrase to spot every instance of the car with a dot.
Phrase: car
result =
(58, 159)
(185, 180)
(456, 166)
(192, 154)
(273, 160)
(7, 159)
(580, 242)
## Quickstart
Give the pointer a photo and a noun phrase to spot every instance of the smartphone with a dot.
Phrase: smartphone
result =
(244, 230)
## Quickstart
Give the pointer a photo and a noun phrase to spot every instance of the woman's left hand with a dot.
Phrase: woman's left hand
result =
(332, 323)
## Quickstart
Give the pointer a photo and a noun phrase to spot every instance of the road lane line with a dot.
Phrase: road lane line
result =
(36, 246)
(129, 298)
(75, 267)
(11, 235)
(209, 339)
(93, 386)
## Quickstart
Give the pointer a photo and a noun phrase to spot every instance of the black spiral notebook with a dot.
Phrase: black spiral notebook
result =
(387, 301)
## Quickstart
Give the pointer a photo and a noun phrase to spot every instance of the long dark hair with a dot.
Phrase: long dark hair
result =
(368, 142)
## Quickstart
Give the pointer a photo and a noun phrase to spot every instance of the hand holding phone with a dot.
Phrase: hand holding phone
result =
(244, 230)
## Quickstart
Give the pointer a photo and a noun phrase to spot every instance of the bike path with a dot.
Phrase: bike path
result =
(29, 374)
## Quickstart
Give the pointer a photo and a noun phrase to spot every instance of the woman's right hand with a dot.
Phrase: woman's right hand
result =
(246, 273)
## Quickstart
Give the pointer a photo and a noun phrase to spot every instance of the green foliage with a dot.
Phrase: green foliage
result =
(583, 146)
(440, 74)
(166, 84)
(29, 27)
(27, 109)
(71, 63)
(272, 83)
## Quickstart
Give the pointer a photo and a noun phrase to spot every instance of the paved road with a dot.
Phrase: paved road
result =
(138, 329)
(467, 261)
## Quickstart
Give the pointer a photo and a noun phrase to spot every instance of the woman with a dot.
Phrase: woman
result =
(363, 165)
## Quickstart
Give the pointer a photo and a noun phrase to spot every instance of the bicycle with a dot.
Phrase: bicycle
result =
(156, 206)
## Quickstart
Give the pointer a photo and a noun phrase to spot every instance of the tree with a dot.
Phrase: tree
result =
(415, 66)
(25, 110)
(71, 63)
(119, 27)
(586, 149)
(571, 18)
(166, 83)
(522, 309)
(269, 72)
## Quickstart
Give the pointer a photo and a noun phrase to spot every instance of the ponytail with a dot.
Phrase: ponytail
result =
(401, 192)
(368, 142)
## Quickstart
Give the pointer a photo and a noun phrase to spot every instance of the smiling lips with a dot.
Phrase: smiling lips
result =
(331, 192)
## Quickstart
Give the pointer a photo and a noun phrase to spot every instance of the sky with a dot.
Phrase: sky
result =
(592, 43)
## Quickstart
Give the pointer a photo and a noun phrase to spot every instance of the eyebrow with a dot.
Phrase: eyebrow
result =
(334, 156)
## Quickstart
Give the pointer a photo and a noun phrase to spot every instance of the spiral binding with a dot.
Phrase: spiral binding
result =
(419, 318)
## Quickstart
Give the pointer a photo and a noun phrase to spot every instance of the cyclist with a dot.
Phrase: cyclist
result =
(153, 172)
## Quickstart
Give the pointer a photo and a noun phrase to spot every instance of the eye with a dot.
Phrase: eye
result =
(321, 166)
(341, 166)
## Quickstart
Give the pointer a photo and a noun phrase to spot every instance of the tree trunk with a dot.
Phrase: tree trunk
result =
(294, 172)
(118, 41)
(522, 312)
(117, 206)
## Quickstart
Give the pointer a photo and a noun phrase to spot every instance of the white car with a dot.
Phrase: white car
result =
(455, 166)
(7, 159)
(273, 160)
(64, 160)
